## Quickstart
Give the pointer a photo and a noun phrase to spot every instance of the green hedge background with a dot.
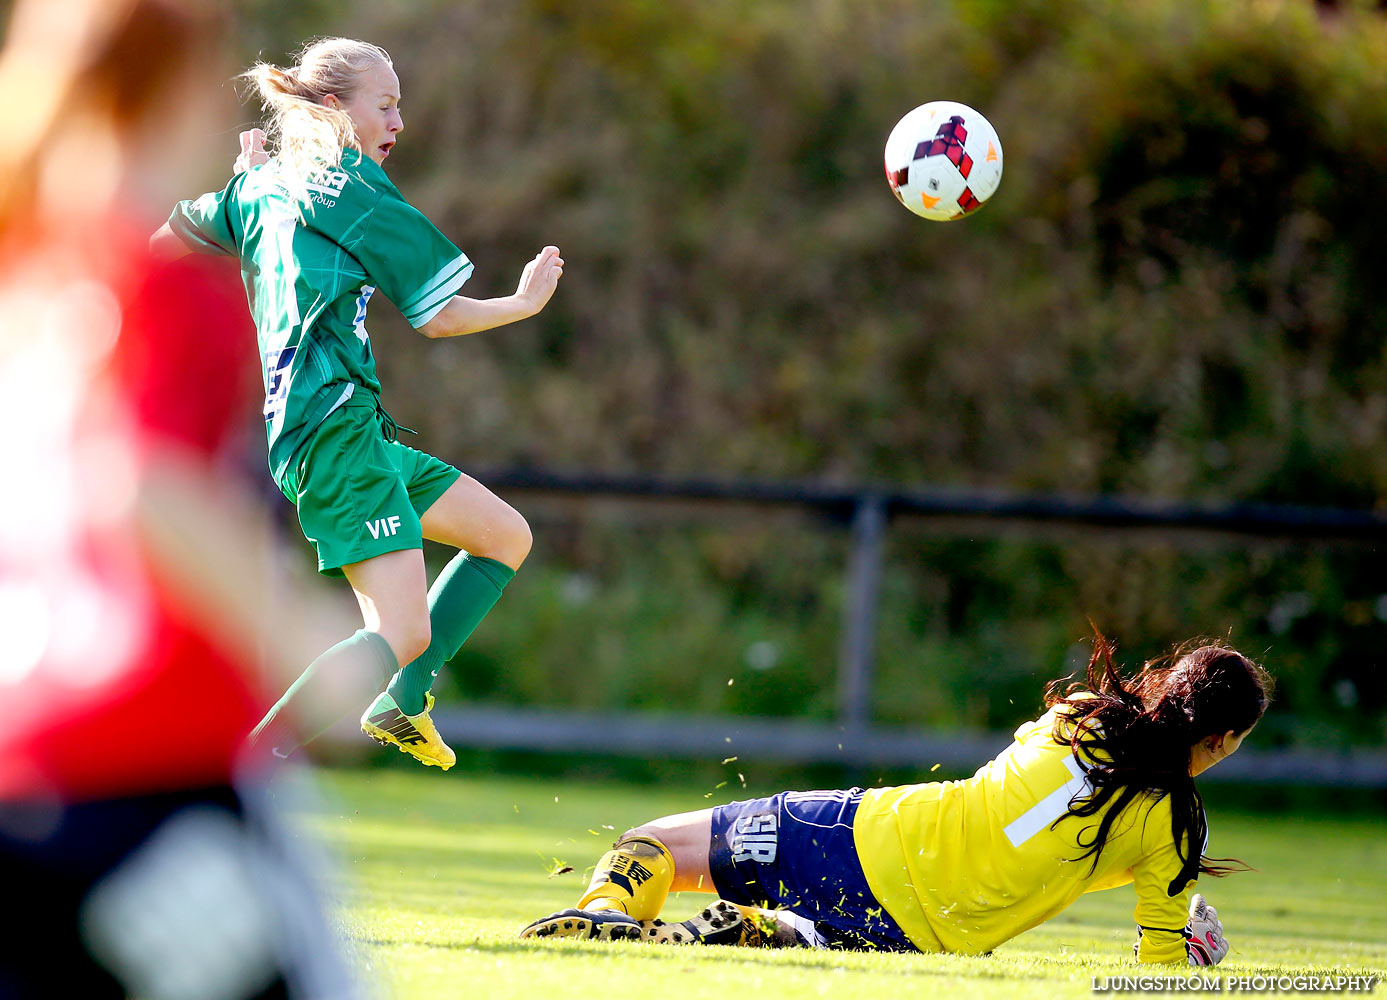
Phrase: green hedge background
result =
(1177, 292)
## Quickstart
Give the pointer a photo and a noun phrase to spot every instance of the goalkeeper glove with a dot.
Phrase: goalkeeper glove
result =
(1204, 940)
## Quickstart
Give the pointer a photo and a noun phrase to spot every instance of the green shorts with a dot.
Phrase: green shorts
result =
(358, 494)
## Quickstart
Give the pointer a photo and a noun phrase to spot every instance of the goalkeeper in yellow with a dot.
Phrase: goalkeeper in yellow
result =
(1097, 793)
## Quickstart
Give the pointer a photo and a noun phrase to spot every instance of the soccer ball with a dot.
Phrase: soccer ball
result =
(943, 160)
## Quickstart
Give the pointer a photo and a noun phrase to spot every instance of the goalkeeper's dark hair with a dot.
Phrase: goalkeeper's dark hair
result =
(1134, 736)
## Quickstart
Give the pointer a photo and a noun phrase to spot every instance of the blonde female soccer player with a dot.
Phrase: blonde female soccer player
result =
(1096, 793)
(319, 228)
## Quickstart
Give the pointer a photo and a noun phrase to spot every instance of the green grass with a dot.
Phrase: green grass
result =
(437, 872)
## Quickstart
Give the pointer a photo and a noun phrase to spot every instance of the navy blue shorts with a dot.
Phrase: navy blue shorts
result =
(795, 850)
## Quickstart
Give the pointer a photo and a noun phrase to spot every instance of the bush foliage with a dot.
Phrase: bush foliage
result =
(1175, 293)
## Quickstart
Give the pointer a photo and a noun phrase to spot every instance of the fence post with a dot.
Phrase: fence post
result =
(857, 649)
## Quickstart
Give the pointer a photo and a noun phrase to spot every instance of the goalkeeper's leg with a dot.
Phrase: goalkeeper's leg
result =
(633, 879)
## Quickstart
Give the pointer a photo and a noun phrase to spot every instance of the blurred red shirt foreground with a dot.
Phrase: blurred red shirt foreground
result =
(112, 363)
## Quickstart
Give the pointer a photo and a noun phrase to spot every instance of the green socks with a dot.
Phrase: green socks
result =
(333, 686)
(459, 599)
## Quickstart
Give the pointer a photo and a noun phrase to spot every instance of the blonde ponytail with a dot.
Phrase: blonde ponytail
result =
(308, 135)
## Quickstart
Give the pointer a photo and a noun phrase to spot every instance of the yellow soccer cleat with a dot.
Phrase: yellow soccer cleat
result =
(412, 734)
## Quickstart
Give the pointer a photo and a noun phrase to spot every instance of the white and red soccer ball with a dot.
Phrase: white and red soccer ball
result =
(943, 160)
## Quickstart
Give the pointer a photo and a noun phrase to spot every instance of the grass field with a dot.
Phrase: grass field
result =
(437, 872)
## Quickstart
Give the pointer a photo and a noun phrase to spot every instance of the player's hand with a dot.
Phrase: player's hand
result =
(540, 278)
(1204, 940)
(252, 151)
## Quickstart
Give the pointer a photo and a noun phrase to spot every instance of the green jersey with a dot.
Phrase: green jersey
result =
(311, 256)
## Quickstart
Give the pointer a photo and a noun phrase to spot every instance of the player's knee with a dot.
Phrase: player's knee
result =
(521, 540)
(419, 638)
(647, 832)
(511, 539)
(410, 639)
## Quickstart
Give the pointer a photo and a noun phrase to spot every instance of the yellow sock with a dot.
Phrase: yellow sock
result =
(633, 877)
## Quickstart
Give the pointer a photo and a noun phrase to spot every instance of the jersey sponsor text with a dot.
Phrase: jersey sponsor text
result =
(329, 187)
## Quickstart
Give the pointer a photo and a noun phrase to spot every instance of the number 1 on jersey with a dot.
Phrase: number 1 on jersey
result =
(277, 379)
(1050, 808)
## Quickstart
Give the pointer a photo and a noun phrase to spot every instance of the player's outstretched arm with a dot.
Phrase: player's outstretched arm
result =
(463, 315)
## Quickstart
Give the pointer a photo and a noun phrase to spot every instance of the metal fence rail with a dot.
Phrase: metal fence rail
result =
(852, 738)
(749, 739)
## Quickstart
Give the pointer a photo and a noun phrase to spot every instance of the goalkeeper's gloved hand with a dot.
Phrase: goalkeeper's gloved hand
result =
(1204, 940)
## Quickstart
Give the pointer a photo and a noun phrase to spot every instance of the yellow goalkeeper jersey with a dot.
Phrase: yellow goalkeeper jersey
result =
(964, 865)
